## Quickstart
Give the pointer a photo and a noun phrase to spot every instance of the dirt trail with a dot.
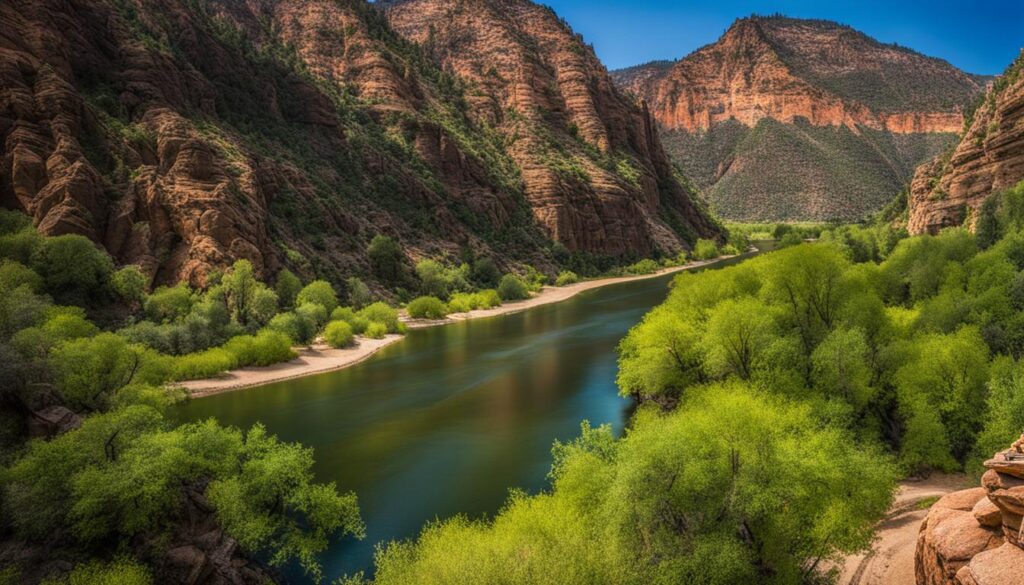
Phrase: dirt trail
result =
(891, 559)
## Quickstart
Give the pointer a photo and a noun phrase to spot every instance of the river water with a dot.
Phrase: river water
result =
(449, 419)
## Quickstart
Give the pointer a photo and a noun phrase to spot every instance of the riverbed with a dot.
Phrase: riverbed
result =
(448, 419)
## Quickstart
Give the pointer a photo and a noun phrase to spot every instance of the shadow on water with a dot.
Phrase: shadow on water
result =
(450, 418)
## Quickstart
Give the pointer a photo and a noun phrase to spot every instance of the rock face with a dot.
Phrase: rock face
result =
(184, 136)
(594, 171)
(846, 116)
(972, 537)
(989, 158)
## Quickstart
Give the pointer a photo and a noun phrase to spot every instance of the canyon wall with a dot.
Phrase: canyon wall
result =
(988, 158)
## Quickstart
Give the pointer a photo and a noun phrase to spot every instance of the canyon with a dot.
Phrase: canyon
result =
(847, 117)
(185, 136)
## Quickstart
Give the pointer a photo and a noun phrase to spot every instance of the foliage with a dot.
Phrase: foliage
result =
(169, 303)
(645, 266)
(338, 334)
(705, 250)
(72, 268)
(427, 308)
(386, 258)
(358, 293)
(376, 330)
(129, 283)
(682, 498)
(122, 571)
(318, 292)
(512, 288)
(383, 314)
(287, 288)
(566, 277)
(485, 272)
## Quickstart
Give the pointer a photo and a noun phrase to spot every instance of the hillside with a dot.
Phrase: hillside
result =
(949, 189)
(184, 136)
(818, 91)
(593, 168)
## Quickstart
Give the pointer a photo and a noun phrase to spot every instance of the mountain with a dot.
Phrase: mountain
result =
(184, 135)
(987, 159)
(593, 168)
(783, 118)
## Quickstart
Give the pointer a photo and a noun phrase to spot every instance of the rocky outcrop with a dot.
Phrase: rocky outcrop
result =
(819, 71)
(184, 136)
(988, 158)
(789, 119)
(593, 169)
(972, 537)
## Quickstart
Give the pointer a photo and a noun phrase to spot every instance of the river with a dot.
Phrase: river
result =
(447, 420)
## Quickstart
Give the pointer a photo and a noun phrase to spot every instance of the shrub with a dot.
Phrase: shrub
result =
(169, 303)
(130, 284)
(358, 293)
(382, 313)
(72, 267)
(338, 334)
(487, 299)
(265, 348)
(287, 287)
(14, 274)
(645, 266)
(512, 288)
(314, 312)
(203, 364)
(463, 302)
(386, 258)
(123, 571)
(566, 278)
(432, 278)
(301, 329)
(485, 272)
(705, 250)
(376, 330)
(730, 250)
(427, 308)
(358, 323)
(319, 292)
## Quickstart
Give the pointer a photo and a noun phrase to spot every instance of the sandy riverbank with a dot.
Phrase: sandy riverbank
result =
(891, 559)
(320, 358)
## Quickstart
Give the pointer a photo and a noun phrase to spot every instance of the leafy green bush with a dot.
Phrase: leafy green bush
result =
(485, 273)
(729, 250)
(487, 299)
(427, 308)
(122, 571)
(705, 250)
(358, 293)
(465, 302)
(300, 328)
(204, 364)
(645, 266)
(287, 288)
(314, 312)
(14, 274)
(566, 278)
(376, 330)
(338, 334)
(386, 258)
(512, 288)
(346, 314)
(263, 349)
(381, 313)
(167, 304)
(319, 292)
(130, 284)
(73, 269)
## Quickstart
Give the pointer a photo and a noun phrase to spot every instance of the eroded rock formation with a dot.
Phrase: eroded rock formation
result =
(791, 119)
(988, 158)
(594, 171)
(973, 537)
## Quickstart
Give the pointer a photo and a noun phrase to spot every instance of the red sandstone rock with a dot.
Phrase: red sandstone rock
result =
(987, 514)
(999, 566)
(988, 159)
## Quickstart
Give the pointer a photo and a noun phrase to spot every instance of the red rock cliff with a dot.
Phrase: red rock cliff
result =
(988, 159)
(593, 167)
(784, 69)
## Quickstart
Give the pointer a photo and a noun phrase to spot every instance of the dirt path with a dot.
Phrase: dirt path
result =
(891, 559)
(320, 358)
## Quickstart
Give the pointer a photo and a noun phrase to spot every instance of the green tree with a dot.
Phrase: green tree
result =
(167, 304)
(272, 505)
(485, 272)
(319, 292)
(512, 288)
(841, 367)
(737, 334)
(427, 308)
(73, 268)
(432, 278)
(338, 334)
(386, 258)
(14, 274)
(89, 371)
(129, 283)
(122, 571)
(240, 286)
(358, 293)
(287, 287)
(986, 226)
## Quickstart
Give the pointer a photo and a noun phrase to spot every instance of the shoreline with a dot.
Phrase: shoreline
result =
(320, 358)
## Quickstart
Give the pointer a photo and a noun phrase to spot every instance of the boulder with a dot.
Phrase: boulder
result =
(998, 566)
(987, 514)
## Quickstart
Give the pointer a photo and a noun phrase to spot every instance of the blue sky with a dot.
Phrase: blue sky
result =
(979, 36)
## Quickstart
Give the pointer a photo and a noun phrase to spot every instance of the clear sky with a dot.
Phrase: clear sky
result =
(978, 36)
